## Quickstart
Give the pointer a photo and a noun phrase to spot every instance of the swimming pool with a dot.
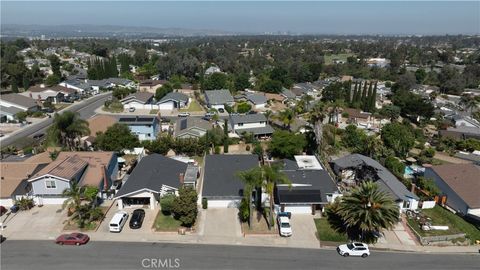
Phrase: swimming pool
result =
(408, 170)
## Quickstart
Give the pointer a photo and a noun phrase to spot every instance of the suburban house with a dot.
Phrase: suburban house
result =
(460, 183)
(301, 89)
(216, 99)
(150, 85)
(80, 86)
(287, 94)
(68, 93)
(153, 177)
(256, 100)
(100, 123)
(253, 123)
(173, 100)
(464, 121)
(11, 104)
(211, 70)
(358, 117)
(310, 189)
(44, 95)
(14, 176)
(121, 82)
(354, 168)
(145, 127)
(98, 169)
(191, 127)
(221, 185)
(138, 100)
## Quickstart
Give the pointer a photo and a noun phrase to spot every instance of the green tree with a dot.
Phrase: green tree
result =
(55, 65)
(395, 166)
(285, 144)
(391, 112)
(116, 138)
(363, 212)
(272, 176)
(166, 203)
(420, 75)
(215, 81)
(398, 137)
(243, 107)
(52, 80)
(163, 90)
(287, 117)
(252, 180)
(66, 129)
(185, 206)
(242, 82)
(226, 141)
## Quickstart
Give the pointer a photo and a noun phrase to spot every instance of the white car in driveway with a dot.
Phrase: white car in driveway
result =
(284, 227)
(354, 249)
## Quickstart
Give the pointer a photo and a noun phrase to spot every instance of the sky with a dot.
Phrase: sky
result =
(313, 17)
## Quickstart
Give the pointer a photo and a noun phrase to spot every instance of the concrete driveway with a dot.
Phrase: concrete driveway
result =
(44, 222)
(304, 230)
(221, 224)
(146, 226)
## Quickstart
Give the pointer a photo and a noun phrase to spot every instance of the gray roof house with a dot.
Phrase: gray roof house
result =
(310, 188)
(259, 101)
(21, 102)
(253, 123)
(138, 97)
(191, 127)
(173, 100)
(222, 187)
(288, 94)
(356, 167)
(153, 177)
(217, 98)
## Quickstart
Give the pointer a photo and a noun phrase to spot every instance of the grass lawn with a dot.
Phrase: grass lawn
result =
(61, 106)
(441, 216)
(326, 233)
(165, 223)
(194, 106)
(342, 56)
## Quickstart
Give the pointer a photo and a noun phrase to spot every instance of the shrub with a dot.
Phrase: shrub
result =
(166, 203)
(24, 203)
(204, 203)
(243, 211)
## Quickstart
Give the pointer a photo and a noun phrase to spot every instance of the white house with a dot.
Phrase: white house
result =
(217, 99)
(139, 100)
(173, 100)
(252, 123)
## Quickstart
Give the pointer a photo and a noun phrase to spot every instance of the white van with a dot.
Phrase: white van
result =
(118, 220)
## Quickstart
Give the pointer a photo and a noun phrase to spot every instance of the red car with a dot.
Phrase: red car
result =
(3, 210)
(72, 239)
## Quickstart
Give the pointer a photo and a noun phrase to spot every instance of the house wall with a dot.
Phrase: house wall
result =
(475, 211)
(453, 200)
(201, 132)
(250, 125)
(39, 186)
(6, 202)
(167, 106)
(145, 132)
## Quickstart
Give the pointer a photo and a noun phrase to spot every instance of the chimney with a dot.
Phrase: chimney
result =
(414, 187)
(181, 178)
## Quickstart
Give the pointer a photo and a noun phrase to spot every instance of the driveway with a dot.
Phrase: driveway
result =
(126, 232)
(44, 222)
(221, 224)
(304, 230)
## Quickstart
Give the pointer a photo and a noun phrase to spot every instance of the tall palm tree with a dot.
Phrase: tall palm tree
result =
(287, 117)
(67, 128)
(268, 114)
(252, 180)
(469, 102)
(317, 115)
(74, 195)
(272, 176)
(365, 211)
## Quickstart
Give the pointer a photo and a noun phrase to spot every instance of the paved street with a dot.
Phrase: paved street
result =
(40, 255)
(86, 109)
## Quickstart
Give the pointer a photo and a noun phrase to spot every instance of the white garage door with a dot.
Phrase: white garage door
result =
(43, 201)
(166, 106)
(299, 209)
(6, 203)
(223, 203)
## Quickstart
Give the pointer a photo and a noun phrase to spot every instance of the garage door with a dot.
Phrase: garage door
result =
(299, 209)
(166, 106)
(6, 202)
(44, 201)
(223, 203)
(136, 201)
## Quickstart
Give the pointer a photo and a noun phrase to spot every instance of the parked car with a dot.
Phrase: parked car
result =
(183, 114)
(221, 110)
(137, 219)
(209, 114)
(72, 239)
(354, 249)
(3, 210)
(118, 220)
(38, 136)
(283, 221)
(207, 118)
(47, 110)
(132, 109)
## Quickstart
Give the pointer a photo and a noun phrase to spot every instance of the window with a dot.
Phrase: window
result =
(262, 122)
(51, 184)
(240, 124)
(406, 204)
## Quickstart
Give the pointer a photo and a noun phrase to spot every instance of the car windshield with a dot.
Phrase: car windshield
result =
(113, 225)
(285, 225)
(350, 246)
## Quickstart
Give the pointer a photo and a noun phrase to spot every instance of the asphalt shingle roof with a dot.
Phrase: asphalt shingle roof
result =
(174, 96)
(19, 100)
(218, 97)
(256, 99)
(248, 118)
(152, 172)
(221, 180)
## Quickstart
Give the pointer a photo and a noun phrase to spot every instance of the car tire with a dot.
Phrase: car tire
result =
(345, 254)
(364, 255)
(78, 244)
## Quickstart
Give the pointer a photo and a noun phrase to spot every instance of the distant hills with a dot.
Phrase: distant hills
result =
(85, 30)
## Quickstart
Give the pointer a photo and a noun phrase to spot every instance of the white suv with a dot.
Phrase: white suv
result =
(353, 249)
(284, 225)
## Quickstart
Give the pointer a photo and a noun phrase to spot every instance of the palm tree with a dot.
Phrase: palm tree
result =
(317, 115)
(373, 146)
(74, 195)
(268, 114)
(67, 128)
(252, 180)
(365, 211)
(272, 176)
(469, 102)
(287, 117)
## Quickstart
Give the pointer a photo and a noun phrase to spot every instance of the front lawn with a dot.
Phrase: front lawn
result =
(441, 216)
(165, 223)
(326, 233)
(194, 106)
